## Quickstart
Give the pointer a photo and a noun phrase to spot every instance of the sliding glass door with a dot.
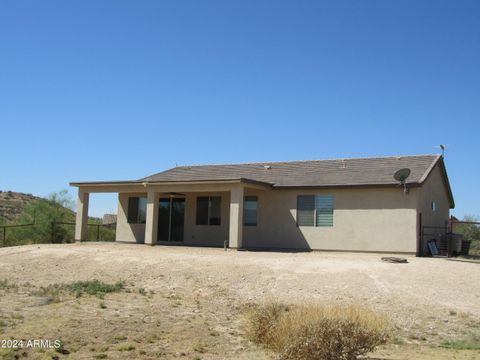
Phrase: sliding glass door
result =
(171, 218)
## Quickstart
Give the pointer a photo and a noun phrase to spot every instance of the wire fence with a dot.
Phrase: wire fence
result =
(60, 232)
(5, 227)
(448, 241)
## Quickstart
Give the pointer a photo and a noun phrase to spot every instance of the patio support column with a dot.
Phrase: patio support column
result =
(81, 221)
(151, 224)
(236, 217)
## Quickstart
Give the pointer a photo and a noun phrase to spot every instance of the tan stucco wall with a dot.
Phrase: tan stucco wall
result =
(433, 189)
(207, 235)
(211, 235)
(381, 219)
(364, 220)
(128, 232)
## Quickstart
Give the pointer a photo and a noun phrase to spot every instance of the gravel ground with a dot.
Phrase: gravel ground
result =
(427, 300)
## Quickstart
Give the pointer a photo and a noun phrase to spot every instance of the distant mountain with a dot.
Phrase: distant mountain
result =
(12, 204)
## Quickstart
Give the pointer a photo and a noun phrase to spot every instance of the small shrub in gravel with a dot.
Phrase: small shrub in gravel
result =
(317, 332)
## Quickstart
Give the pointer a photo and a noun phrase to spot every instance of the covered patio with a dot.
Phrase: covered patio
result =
(209, 213)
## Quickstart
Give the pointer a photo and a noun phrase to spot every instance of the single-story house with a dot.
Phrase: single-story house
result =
(342, 205)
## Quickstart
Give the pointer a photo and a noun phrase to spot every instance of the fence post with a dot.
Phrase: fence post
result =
(449, 245)
(53, 231)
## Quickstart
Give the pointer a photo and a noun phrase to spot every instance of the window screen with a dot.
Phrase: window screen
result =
(250, 211)
(142, 210)
(306, 210)
(315, 210)
(132, 210)
(137, 210)
(215, 209)
(209, 210)
(202, 210)
(324, 210)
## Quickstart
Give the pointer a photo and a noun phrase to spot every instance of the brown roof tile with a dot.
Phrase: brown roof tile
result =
(346, 172)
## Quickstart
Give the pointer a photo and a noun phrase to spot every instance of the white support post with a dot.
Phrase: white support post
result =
(236, 217)
(151, 224)
(81, 222)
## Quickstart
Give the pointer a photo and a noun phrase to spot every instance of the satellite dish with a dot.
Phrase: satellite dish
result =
(402, 175)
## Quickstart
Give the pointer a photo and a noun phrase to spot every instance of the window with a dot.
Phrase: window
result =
(215, 206)
(306, 210)
(209, 210)
(137, 210)
(202, 210)
(434, 206)
(250, 211)
(315, 210)
(324, 210)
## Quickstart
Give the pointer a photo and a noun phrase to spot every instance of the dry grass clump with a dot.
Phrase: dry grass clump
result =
(55, 292)
(329, 332)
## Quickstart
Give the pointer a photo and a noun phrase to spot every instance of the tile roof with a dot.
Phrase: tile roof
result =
(341, 172)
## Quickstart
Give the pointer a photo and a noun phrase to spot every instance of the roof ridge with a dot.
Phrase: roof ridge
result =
(292, 161)
(430, 168)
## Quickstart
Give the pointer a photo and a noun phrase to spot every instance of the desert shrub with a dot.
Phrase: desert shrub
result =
(44, 211)
(317, 332)
(263, 321)
(470, 232)
(126, 347)
(469, 342)
(54, 292)
(103, 233)
(7, 285)
(94, 287)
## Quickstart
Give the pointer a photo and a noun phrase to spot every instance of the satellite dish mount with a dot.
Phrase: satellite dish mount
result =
(401, 176)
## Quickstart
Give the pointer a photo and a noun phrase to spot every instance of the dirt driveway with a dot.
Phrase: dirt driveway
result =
(196, 297)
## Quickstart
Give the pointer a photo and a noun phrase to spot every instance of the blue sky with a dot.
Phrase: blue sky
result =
(102, 90)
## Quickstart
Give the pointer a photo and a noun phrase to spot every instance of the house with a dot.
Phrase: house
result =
(109, 219)
(342, 205)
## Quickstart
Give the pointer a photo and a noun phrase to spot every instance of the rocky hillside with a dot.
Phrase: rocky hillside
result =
(12, 204)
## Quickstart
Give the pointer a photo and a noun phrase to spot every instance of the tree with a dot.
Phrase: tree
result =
(56, 208)
(470, 232)
(62, 198)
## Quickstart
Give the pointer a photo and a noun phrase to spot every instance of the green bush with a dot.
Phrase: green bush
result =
(7, 285)
(94, 287)
(317, 332)
(470, 342)
(470, 232)
(48, 215)
(57, 207)
(91, 287)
